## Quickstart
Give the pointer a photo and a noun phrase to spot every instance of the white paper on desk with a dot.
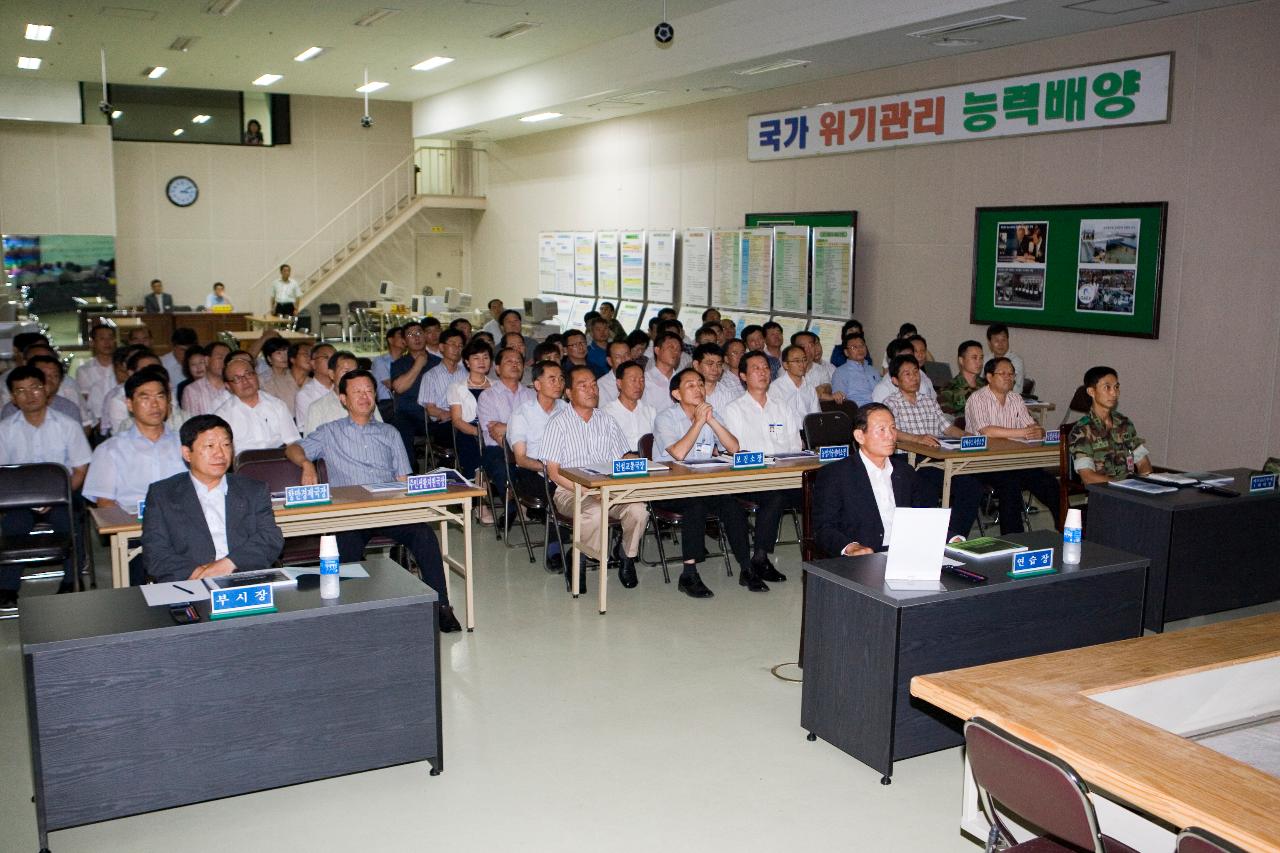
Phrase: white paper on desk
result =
(345, 570)
(917, 546)
(174, 592)
(706, 463)
(389, 486)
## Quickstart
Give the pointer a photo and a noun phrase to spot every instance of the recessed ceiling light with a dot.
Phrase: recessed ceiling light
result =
(182, 44)
(541, 117)
(30, 63)
(115, 114)
(721, 89)
(950, 42)
(201, 119)
(519, 28)
(372, 86)
(39, 32)
(309, 53)
(268, 79)
(179, 132)
(433, 62)
(221, 8)
(372, 17)
(155, 72)
(779, 65)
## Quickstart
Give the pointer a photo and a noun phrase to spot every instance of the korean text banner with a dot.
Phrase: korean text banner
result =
(1131, 91)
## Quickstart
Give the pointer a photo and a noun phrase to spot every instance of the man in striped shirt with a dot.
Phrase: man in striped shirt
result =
(359, 450)
(582, 435)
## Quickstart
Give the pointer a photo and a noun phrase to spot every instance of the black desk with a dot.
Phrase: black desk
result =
(864, 642)
(1208, 553)
(130, 713)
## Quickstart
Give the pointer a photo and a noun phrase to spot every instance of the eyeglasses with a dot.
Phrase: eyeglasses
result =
(241, 377)
(1004, 373)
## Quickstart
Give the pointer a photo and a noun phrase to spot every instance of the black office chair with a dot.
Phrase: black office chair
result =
(458, 438)
(32, 485)
(823, 429)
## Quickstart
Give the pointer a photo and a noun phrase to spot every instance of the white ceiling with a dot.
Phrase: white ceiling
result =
(587, 59)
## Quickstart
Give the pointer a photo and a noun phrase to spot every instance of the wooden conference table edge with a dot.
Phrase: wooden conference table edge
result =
(350, 502)
(1046, 700)
(1002, 454)
(680, 481)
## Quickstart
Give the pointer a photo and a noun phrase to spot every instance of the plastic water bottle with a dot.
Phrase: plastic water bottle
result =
(328, 567)
(1071, 533)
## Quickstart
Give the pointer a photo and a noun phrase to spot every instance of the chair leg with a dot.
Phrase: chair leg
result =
(724, 548)
(662, 551)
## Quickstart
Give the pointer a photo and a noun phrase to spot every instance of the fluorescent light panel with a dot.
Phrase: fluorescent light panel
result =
(372, 17)
(156, 72)
(432, 63)
(115, 114)
(179, 132)
(309, 53)
(541, 117)
(39, 32)
(268, 79)
(372, 86)
(29, 63)
(201, 119)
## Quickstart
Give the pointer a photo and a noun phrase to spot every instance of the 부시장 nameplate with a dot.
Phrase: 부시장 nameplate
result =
(241, 601)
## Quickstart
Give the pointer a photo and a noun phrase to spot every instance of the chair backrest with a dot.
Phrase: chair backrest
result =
(826, 428)
(330, 309)
(265, 454)
(809, 549)
(1080, 401)
(1037, 786)
(1193, 839)
(646, 445)
(939, 373)
(1067, 474)
(279, 473)
(34, 484)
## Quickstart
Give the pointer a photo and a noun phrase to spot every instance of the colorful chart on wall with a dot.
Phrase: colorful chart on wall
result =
(662, 266)
(584, 263)
(790, 325)
(726, 269)
(631, 265)
(564, 261)
(690, 316)
(695, 266)
(650, 311)
(750, 319)
(546, 262)
(791, 268)
(1078, 268)
(607, 264)
(757, 267)
(629, 315)
(827, 330)
(832, 289)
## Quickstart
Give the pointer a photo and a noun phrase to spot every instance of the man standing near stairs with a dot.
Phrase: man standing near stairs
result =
(285, 293)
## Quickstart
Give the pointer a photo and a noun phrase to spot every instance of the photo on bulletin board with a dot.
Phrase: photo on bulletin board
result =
(1101, 272)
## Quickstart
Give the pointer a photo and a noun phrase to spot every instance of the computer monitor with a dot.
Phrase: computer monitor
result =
(539, 309)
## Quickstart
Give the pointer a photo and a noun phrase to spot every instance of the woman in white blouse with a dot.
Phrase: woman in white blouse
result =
(462, 397)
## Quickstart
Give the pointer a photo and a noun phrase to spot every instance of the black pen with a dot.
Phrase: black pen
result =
(184, 589)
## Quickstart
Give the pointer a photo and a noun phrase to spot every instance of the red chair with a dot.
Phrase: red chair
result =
(1196, 840)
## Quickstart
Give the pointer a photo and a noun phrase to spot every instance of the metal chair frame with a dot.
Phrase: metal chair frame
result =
(522, 502)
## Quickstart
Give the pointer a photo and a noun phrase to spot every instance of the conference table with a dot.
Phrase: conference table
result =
(270, 321)
(1002, 454)
(352, 508)
(130, 712)
(679, 482)
(242, 338)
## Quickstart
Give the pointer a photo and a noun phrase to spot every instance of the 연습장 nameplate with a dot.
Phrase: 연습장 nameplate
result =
(1257, 483)
(307, 495)
(1037, 562)
(1053, 436)
(748, 459)
(241, 601)
(426, 484)
(630, 467)
(832, 452)
(973, 442)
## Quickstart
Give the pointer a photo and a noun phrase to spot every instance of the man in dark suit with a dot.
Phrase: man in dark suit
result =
(157, 301)
(206, 522)
(854, 498)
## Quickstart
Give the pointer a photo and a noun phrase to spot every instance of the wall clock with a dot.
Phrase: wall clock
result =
(182, 191)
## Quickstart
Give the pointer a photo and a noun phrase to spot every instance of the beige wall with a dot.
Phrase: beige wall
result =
(55, 179)
(256, 205)
(1216, 162)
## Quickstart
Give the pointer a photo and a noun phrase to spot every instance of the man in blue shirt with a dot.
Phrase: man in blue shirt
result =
(359, 450)
(854, 380)
(382, 372)
(406, 380)
(598, 349)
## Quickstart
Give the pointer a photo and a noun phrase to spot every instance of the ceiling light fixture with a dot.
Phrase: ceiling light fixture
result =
(519, 28)
(432, 63)
(200, 119)
(965, 26)
(182, 44)
(115, 114)
(29, 63)
(541, 117)
(268, 79)
(950, 42)
(39, 32)
(155, 72)
(309, 53)
(179, 132)
(777, 65)
(374, 16)
(221, 8)
(372, 86)
(721, 90)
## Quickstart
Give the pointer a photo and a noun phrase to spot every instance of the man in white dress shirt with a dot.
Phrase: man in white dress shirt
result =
(708, 360)
(180, 341)
(525, 432)
(630, 410)
(790, 387)
(667, 352)
(97, 370)
(886, 387)
(433, 392)
(257, 420)
(819, 373)
(619, 352)
(285, 294)
(494, 327)
(329, 407)
(320, 383)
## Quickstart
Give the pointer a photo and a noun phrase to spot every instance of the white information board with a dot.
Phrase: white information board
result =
(662, 266)
(546, 262)
(828, 331)
(631, 265)
(629, 315)
(564, 307)
(690, 316)
(581, 305)
(726, 269)
(584, 263)
(790, 325)
(791, 268)
(564, 261)
(695, 266)
(607, 264)
(833, 272)
(757, 267)
(750, 319)
(650, 311)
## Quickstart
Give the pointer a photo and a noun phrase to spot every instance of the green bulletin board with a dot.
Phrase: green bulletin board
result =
(1074, 268)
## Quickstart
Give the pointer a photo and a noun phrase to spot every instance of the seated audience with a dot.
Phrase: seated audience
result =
(493, 412)
(320, 383)
(708, 360)
(754, 341)
(493, 326)
(856, 378)
(525, 432)
(182, 339)
(463, 397)
(998, 347)
(1104, 444)
(619, 352)
(968, 379)
(668, 350)
(194, 367)
(734, 349)
(218, 296)
(433, 393)
(407, 373)
(97, 369)
(204, 395)
(630, 410)
(329, 407)
(257, 420)
(284, 386)
(598, 349)
(52, 370)
(791, 388)
(381, 370)
(610, 314)
(838, 357)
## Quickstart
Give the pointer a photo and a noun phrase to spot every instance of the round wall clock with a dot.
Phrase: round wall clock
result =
(182, 191)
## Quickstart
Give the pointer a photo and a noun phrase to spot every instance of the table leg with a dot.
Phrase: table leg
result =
(948, 469)
(576, 571)
(466, 561)
(119, 560)
(602, 581)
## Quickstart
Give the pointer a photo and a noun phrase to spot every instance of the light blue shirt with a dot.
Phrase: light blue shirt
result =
(857, 381)
(59, 440)
(355, 455)
(435, 385)
(528, 423)
(213, 503)
(670, 426)
(381, 371)
(125, 465)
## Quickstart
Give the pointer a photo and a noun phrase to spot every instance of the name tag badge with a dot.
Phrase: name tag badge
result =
(832, 452)
(242, 601)
(425, 484)
(307, 495)
(1053, 436)
(142, 507)
(775, 430)
(1257, 483)
(703, 450)
(973, 442)
(1032, 563)
(630, 467)
(748, 459)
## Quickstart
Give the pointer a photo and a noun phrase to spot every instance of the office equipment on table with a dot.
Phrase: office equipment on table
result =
(863, 642)
(981, 547)
(1208, 553)
(457, 300)
(538, 309)
(113, 687)
(916, 543)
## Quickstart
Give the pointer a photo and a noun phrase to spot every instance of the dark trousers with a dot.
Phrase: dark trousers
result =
(966, 494)
(770, 506)
(468, 454)
(693, 526)
(18, 522)
(1008, 486)
(411, 425)
(387, 408)
(421, 541)
(284, 309)
(494, 463)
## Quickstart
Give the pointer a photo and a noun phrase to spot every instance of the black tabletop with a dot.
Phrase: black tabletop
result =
(1189, 497)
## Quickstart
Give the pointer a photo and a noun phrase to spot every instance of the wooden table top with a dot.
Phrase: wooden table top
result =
(288, 335)
(1046, 700)
(270, 319)
(680, 473)
(1003, 446)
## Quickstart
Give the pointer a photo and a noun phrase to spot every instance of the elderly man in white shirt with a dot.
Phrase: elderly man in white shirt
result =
(619, 353)
(257, 420)
(320, 383)
(630, 410)
(668, 349)
(791, 386)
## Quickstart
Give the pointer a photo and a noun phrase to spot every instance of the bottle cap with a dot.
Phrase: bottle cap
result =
(1074, 519)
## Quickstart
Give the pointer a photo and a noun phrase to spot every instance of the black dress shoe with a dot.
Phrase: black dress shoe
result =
(748, 578)
(692, 586)
(766, 572)
(8, 599)
(627, 573)
(448, 622)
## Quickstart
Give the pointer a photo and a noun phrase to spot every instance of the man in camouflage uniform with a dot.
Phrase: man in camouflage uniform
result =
(955, 394)
(1104, 444)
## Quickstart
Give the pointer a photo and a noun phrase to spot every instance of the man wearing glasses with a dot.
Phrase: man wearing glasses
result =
(258, 421)
(791, 388)
(997, 412)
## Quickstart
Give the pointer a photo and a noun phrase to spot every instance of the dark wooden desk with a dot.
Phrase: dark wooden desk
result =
(1208, 553)
(130, 713)
(208, 325)
(863, 642)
